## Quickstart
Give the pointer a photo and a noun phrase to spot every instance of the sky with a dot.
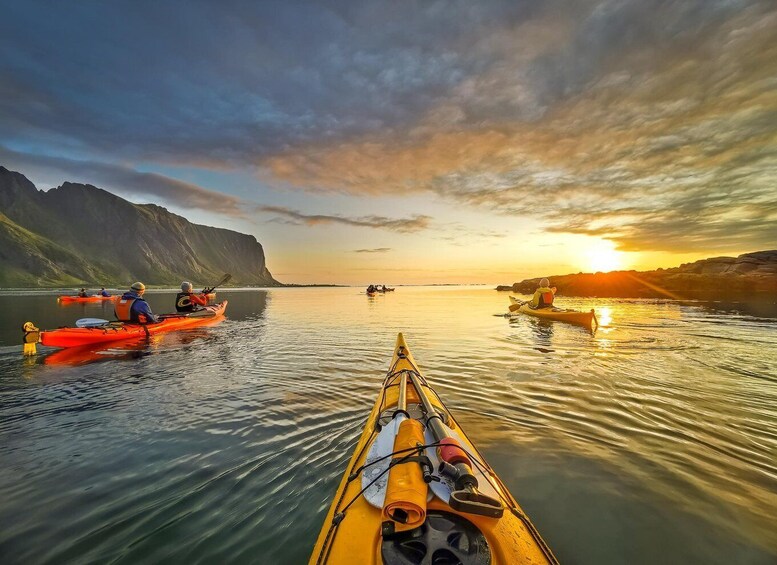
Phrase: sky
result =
(402, 142)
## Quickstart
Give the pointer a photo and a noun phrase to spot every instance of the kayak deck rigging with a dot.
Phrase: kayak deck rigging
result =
(465, 517)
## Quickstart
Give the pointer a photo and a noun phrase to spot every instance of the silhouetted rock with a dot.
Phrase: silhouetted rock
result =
(718, 277)
(80, 234)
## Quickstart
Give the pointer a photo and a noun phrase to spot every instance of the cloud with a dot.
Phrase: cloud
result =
(376, 250)
(414, 224)
(650, 123)
(665, 142)
(306, 71)
(123, 180)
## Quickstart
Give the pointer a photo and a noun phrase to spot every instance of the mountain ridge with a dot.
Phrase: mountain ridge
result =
(80, 234)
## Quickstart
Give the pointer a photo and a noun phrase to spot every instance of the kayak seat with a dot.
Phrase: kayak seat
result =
(443, 538)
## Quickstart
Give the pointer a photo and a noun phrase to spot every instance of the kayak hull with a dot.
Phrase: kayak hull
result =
(356, 536)
(77, 337)
(557, 314)
(76, 299)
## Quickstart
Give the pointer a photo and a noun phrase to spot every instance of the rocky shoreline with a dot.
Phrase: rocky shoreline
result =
(748, 275)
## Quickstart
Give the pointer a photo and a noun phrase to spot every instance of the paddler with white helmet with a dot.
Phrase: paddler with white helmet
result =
(188, 301)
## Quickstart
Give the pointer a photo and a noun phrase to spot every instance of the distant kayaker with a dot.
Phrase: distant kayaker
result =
(132, 308)
(104, 292)
(188, 301)
(543, 296)
(82, 293)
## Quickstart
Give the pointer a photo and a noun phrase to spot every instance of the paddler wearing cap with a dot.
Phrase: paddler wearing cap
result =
(132, 308)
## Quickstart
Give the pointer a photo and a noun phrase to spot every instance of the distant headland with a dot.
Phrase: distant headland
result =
(748, 275)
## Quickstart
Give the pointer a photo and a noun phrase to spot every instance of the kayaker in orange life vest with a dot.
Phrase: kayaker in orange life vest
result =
(132, 308)
(187, 301)
(543, 296)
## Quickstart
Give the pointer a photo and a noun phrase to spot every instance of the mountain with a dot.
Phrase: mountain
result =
(748, 275)
(78, 234)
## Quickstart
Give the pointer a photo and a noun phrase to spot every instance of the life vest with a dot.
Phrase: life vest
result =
(123, 309)
(546, 297)
(183, 302)
(31, 333)
(124, 312)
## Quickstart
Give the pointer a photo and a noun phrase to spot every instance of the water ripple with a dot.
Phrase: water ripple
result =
(226, 444)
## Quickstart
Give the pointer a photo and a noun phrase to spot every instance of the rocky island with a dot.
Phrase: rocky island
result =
(748, 275)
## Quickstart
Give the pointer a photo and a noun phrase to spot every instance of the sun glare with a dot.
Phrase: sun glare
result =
(604, 258)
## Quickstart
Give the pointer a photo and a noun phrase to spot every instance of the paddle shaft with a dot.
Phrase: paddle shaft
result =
(455, 464)
(224, 280)
(402, 401)
(434, 421)
(460, 471)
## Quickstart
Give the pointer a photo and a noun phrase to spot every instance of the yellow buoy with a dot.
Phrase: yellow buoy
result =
(31, 337)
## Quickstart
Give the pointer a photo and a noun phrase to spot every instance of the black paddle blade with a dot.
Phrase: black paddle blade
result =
(224, 280)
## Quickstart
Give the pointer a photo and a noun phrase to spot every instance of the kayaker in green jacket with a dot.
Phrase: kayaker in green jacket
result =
(543, 296)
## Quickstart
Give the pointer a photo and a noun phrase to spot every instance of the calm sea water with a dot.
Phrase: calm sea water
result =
(653, 440)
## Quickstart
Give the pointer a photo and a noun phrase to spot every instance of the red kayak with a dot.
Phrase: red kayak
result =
(115, 331)
(96, 298)
(127, 349)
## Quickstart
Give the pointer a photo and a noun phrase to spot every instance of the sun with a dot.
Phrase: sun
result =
(603, 257)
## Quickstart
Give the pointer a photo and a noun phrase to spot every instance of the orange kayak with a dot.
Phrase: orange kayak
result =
(71, 299)
(126, 349)
(116, 331)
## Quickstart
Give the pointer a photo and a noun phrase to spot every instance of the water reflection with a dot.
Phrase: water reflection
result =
(604, 316)
(92, 354)
(543, 334)
(131, 349)
(759, 308)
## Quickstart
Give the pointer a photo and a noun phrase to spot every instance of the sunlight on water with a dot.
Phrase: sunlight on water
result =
(604, 315)
(650, 440)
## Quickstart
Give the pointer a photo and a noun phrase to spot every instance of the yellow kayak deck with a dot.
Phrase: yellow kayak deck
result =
(352, 530)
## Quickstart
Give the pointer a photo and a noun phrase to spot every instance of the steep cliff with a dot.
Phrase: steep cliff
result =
(747, 275)
(81, 234)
